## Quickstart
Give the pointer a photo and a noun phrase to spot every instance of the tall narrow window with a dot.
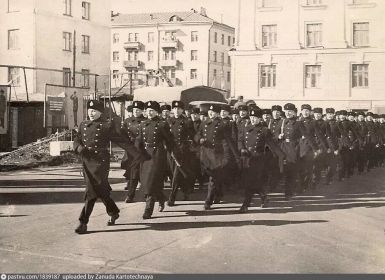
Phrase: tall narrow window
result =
(215, 37)
(115, 38)
(85, 78)
(314, 35)
(150, 55)
(223, 39)
(229, 41)
(268, 76)
(360, 75)
(361, 34)
(215, 73)
(193, 74)
(85, 44)
(269, 36)
(313, 76)
(13, 6)
(194, 36)
(67, 7)
(13, 39)
(14, 76)
(86, 8)
(115, 56)
(67, 41)
(223, 58)
(215, 56)
(66, 77)
(194, 55)
(228, 77)
(150, 36)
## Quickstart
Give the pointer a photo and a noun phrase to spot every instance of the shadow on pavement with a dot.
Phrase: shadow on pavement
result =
(186, 225)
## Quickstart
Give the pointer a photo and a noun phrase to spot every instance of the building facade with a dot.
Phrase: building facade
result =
(322, 52)
(190, 49)
(41, 34)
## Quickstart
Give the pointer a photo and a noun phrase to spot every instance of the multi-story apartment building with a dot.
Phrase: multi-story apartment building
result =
(40, 34)
(322, 52)
(189, 47)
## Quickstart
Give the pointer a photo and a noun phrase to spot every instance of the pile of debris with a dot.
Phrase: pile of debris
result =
(37, 154)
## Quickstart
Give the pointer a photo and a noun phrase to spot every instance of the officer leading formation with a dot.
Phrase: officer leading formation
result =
(244, 148)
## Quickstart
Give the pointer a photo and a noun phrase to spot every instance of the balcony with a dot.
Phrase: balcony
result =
(168, 63)
(169, 43)
(132, 45)
(131, 63)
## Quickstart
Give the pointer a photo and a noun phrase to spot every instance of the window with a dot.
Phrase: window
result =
(194, 36)
(13, 39)
(314, 35)
(233, 40)
(170, 35)
(115, 56)
(150, 37)
(223, 39)
(13, 6)
(14, 76)
(67, 7)
(66, 77)
(229, 41)
(312, 76)
(222, 58)
(358, 2)
(269, 3)
(86, 7)
(67, 40)
(115, 74)
(215, 73)
(133, 37)
(361, 34)
(229, 60)
(85, 78)
(85, 44)
(360, 75)
(215, 56)
(215, 37)
(169, 55)
(115, 38)
(194, 55)
(313, 2)
(150, 55)
(229, 77)
(269, 36)
(170, 73)
(132, 55)
(193, 74)
(268, 76)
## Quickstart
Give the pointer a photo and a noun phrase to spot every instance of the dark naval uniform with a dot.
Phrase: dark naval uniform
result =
(131, 129)
(92, 142)
(333, 136)
(274, 170)
(154, 140)
(362, 132)
(182, 130)
(217, 149)
(252, 146)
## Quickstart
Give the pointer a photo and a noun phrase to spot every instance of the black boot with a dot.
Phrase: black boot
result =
(112, 219)
(81, 229)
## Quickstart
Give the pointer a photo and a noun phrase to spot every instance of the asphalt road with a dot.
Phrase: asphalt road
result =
(333, 229)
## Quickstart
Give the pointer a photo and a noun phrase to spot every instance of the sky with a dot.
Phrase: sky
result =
(215, 8)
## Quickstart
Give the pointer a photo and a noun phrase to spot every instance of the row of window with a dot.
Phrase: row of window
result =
(169, 35)
(167, 55)
(314, 35)
(86, 9)
(67, 42)
(171, 74)
(14, 44)
(277, 3)
(14, 76)
(313, 75)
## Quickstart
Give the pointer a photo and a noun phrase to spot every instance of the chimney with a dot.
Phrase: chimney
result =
(203, 12)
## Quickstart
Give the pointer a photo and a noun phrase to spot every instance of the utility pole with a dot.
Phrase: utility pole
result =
(74, 61)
